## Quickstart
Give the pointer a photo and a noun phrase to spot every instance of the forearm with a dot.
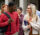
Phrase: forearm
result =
(35, 26)
(26, 27)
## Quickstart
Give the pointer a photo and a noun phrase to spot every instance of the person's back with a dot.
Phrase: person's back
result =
(15, 20)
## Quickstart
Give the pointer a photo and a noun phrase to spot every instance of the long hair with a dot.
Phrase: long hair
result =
(33, 8)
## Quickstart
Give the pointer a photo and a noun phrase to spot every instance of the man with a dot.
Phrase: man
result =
(14, 28)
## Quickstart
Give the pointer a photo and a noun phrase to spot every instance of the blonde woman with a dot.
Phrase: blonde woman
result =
(26, 25)
(35, 22)
(31, 20)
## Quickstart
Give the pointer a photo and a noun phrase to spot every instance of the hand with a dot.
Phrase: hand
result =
(9, 21)
(28, 26)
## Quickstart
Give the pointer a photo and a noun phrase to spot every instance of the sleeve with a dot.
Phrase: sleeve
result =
(35, 25)
(17, 23)
(23, 26)
(4, 21)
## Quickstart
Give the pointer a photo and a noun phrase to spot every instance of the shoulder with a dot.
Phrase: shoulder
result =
(22, 15)
(15, 13)
(38, 17)
(25, 16)
(4, 15)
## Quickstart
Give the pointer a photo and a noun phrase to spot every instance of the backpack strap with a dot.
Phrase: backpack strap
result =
(7, 15)
(9, 18)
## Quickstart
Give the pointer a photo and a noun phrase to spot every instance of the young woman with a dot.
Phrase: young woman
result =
(19, 10)
(35, 22)
(31, 19)
(26, 26)
(4, 21)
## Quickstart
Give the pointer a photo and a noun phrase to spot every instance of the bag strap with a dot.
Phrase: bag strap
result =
(7, 15)
(9, 18)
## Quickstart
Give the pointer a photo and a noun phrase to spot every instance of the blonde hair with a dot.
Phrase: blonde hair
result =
(33, 7)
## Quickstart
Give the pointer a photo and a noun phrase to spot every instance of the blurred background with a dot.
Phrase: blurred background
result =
(22, 3)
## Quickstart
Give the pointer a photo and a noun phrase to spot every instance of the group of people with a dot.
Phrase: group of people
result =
(13, 22)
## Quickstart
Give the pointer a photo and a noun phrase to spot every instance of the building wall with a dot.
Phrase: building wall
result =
(23, 3)
(7, 1)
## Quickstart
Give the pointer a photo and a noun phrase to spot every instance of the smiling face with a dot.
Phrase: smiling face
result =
(19, 11)
(5, 8)
(29, 10)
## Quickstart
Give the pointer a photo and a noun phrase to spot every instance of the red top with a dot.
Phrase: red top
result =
(14, 23)
(3, 20)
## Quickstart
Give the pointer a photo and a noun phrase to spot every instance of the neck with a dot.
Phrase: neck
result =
(30, 14)
(18, 13)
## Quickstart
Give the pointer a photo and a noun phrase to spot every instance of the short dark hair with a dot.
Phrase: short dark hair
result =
(11, 4)
(20, 8)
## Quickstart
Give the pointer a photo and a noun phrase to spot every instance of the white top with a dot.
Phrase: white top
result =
(35, 25)
(25, 18)
(25, 28)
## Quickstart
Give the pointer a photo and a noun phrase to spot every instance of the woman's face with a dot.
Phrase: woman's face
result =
(19, 11)
(5, 8)
(29, 10)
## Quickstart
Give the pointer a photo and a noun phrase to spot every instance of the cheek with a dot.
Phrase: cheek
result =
(28, 10)
(18, 11)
